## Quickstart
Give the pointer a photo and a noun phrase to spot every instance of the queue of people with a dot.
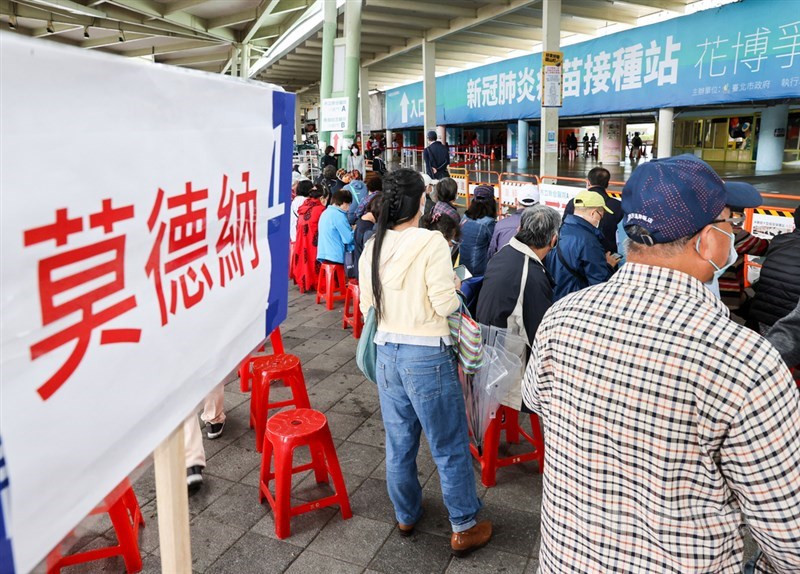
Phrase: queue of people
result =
(667, 425)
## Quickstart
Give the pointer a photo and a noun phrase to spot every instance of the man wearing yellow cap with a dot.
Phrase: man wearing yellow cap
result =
(579, 259)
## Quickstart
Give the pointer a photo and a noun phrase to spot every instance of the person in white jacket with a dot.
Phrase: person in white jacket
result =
(406, 274)
(355, 160)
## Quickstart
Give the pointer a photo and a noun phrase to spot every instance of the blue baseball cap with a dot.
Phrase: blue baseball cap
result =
(742, 194)
(676, 197)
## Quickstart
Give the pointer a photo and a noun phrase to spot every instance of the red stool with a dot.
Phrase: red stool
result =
(126, 517)
(507, 419)
(245, 374)
(352, 315)
(330, 284)
(270, 368)
(285, 432)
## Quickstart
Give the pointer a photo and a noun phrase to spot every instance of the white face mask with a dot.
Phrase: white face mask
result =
(732, 255)
(354, 151)
(331, 154)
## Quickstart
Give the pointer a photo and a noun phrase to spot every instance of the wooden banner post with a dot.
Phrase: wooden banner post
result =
(172, 501)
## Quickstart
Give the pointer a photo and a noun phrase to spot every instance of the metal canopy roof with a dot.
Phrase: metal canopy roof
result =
(286, 36)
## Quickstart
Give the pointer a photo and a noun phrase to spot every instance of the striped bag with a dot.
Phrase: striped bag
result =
(466, 333)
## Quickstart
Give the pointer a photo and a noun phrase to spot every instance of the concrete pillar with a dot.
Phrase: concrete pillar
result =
(235, 61)
(387, 155)
(522, 145)
(298, 122)
(441, 133)
(665, 123)
(770, 145)
(244, 61)
(551, 22)
(363, 100)
(429, 84)
(330, 15)
(352, 67)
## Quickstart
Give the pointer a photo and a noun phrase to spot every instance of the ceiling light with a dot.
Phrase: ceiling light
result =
(71, 7)
(12, 22)
(50, 28)
(121, 37)
(86, 32)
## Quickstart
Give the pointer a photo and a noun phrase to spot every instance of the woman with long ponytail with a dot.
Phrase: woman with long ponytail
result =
(406, 274)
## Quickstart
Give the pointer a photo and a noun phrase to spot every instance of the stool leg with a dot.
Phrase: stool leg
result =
(330, 279)
(320, 278)
(491, 441)
(259, 410)
(266, 469)
(283, 490)
(539, 439)
(127, 537)
(277, 341)
(299, 392)
(345, 312)
(511, 425)
(336, 475)
(244, 375)
(320, 467)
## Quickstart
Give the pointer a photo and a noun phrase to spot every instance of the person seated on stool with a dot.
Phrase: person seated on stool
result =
(335, 233)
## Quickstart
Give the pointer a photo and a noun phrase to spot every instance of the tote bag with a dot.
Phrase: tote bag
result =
(466, 333)
(367, 351)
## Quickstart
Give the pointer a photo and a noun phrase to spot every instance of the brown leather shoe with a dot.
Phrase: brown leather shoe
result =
(462, 543)
(405, 530)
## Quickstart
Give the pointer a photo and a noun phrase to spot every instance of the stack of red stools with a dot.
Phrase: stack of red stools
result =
(507, 419)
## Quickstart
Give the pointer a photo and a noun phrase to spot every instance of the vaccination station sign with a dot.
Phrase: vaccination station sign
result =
(145, 234)
(737, 53)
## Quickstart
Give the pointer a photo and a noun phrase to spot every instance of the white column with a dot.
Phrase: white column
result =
(770, 146)
(522, 145)
(298, 122)
(665, 122)
(551, 21)
(387, 155)
(429, 84)
(441, 133)
(244, 61)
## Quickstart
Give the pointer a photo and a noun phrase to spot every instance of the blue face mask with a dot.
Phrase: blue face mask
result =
(732, 255)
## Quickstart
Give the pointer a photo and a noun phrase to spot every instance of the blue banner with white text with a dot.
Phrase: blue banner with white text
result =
(740, 52)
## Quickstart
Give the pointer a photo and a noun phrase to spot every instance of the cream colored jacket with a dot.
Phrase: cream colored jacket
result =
(417, 281)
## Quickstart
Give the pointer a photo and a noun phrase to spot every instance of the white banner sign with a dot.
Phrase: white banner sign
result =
(334, 114)
(136, 266)
(557, 196)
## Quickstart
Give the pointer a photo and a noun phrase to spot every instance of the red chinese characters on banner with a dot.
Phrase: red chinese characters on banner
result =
(238, 234)
(75, 282)
(181, 265)
(178, 260)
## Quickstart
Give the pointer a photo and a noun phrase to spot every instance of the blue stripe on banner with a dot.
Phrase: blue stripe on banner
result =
(283, 105)
(6, 554)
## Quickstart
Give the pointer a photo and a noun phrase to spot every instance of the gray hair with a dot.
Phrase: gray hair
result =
(538, 226)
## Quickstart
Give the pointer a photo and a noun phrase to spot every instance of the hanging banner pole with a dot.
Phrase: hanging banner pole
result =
(172, 500)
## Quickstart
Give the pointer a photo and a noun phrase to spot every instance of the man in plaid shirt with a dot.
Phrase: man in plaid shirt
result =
(667, 425)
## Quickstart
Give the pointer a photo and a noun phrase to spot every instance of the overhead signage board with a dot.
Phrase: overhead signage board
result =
(140, 264)
(737, 53)
(552, 84)
(334, 114)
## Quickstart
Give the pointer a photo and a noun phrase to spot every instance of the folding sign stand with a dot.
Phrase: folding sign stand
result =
(172, 501)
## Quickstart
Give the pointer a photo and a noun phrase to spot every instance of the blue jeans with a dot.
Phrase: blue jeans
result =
(419, 391)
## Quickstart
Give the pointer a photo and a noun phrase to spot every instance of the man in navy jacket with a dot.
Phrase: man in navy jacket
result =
(579, 259)
(436, 158)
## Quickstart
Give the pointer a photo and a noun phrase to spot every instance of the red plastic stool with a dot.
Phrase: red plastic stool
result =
(352, 315)
(507, 419)
(270, 368)
(330, 284)
(126, 517)
(285, 432)
(245, 374)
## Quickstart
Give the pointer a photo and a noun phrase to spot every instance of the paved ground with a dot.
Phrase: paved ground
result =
(233, 534)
